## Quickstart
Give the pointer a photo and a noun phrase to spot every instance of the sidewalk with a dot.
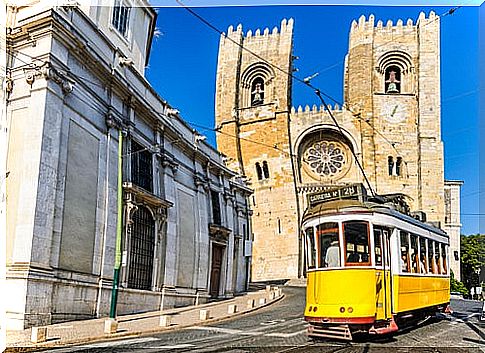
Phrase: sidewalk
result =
(88, 331)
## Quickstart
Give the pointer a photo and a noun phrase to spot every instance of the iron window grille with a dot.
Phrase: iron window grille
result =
(141, 250)
(216, 208)
(121, 16)
(141, 167)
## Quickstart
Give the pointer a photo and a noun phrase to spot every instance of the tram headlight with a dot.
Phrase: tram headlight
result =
(315, 309)
(350, 310)
(342, 309)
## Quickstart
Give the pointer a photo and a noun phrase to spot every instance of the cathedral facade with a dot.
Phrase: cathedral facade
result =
(389, 122)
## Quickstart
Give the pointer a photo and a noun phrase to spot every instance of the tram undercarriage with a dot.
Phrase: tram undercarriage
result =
(319, 329)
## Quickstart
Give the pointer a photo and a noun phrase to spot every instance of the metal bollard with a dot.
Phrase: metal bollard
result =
(39, 334)
(250, 304)
(204, 314)
(231, 308)
(262, 301)
(110, 326)
(165, 320)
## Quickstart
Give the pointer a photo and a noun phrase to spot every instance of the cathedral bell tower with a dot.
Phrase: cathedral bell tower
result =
(253, 99)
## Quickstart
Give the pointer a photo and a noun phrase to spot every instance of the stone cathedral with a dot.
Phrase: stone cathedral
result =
(390, 120)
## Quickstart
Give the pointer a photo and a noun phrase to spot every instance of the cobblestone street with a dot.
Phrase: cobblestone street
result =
(280, 328)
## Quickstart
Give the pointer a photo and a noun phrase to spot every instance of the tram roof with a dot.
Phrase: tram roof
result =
(355, 206)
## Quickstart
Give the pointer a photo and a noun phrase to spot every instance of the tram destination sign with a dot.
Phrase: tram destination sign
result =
(355, 191)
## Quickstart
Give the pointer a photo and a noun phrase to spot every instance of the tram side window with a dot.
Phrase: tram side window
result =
(311, 251)
(414, 253)
(443, 256)
(423, 268)
(431, 265)
(378, 246)
(404, 252)
(356, 234)
(437, 257)
(327, 234)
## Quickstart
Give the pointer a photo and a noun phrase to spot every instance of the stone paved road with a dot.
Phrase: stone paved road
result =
(280, 328)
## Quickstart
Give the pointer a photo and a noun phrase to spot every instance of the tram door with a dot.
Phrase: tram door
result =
(383, 273)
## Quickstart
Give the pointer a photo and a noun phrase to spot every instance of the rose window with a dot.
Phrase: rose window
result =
(326, 158)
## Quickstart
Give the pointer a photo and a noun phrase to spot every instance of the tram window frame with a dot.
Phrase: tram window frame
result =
(322, 250)
(423, 263)
(444, 253)
(311, 249)
(431, 266)
(413, 245)
(437, 257)
(404, 235)
(378, 234)
(356, 246)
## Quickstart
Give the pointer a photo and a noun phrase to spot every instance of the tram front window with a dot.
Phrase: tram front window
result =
(327, 235)
(356, 235)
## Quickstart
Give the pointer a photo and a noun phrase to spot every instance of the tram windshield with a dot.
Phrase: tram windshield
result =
(328, 243)
(356, 237)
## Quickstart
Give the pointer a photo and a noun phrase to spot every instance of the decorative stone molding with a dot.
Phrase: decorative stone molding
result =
(112, 120)
(135, 195)
(228, 196)
(48, 72)
(219, 233)
(168, 161)
(201, 181)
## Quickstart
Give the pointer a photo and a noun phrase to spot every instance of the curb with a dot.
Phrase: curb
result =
(115, 336)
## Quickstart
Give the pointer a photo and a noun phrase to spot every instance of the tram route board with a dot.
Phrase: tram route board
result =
(355, 191)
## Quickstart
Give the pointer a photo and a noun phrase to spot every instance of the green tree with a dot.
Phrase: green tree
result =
(472, 258)
(457, 286)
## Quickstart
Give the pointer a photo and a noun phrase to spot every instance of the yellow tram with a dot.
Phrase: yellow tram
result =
(370, 267)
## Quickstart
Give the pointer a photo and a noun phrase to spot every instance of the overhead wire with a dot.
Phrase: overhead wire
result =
(306, 82)
(444, 14)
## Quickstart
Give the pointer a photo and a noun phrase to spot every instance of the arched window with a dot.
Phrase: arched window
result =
(398, 166)
(390, 164)
(259, 171)
(257, 91)
(392, 82)
(396, 70)
(142, 245)
(265, 170)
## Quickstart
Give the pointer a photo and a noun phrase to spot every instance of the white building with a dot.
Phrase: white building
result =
(75, 78)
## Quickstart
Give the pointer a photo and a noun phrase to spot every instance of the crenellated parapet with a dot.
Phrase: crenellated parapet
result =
(366, 30)
(265, 37)
(304, 111)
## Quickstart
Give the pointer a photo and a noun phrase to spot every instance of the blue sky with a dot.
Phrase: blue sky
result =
(184, 58)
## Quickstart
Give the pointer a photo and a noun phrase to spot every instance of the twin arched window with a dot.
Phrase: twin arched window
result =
(394, 168)
(262, 171)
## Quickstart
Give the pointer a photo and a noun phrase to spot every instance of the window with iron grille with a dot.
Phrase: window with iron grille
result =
(121, 16)
(216, 207)
(142, 246)
(141, 167)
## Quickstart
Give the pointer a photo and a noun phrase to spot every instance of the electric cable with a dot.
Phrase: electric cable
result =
(444, 14)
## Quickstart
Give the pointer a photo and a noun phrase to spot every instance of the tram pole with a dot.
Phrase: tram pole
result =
(116, 273)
